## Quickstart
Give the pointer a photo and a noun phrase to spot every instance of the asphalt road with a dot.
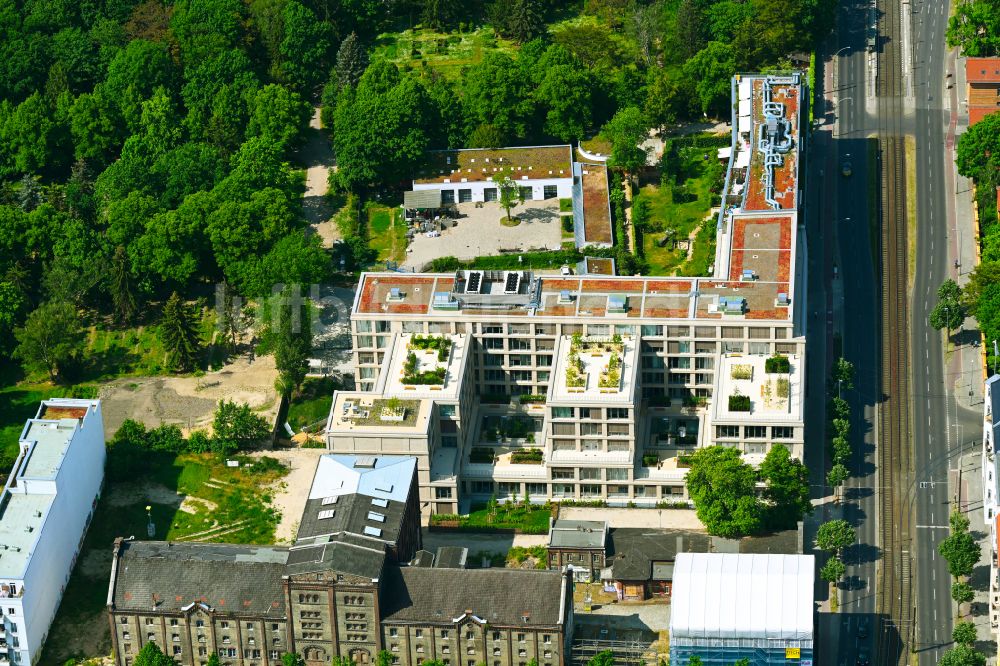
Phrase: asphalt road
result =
(844, 239)
(939, 422)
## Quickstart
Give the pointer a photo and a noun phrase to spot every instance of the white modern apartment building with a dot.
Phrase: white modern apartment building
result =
(597, 387)
(45, 509)
(991, 490)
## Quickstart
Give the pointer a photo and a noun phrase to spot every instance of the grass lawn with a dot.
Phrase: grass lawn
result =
(446, 53)
(80, 628)
(138, 351)
(312, 404)
(387, 232)
(682, 217)
(531, 520)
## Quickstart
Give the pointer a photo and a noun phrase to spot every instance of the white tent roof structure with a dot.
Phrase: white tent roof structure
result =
(742, 596)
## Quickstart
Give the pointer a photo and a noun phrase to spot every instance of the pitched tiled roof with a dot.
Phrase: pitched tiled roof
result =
(345, 553)
(498, 596)
(171, 576)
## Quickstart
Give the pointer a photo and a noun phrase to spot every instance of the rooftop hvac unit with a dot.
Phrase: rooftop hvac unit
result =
(444, 301)
(782, 300)
(732, 305)
(565, 296)
(749, 274)
(617, 303)
(395, 294)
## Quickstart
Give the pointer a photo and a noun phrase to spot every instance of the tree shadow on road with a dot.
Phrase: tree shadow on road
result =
(860, 553)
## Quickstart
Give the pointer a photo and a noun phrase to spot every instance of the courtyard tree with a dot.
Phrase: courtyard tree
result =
(179, 334)
(626, 130)
(724, 491)
(51, 339)
(835, 535)
(509, 194)
(787, 489)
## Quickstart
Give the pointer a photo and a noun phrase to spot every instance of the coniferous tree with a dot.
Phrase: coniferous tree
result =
(352, 60)
(178, 333)
(121, 286)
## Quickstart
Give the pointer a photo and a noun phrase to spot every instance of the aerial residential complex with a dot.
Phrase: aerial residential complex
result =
(45, 508)
(510, 383)
(342, 590)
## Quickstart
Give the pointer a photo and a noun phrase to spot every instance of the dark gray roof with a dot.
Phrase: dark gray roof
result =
(422, 199)
(578, 534)
(351, 513)
(235, 579)
(451, 557)
(345, 553)
(499, 596)
(635, 550)
(422, 558)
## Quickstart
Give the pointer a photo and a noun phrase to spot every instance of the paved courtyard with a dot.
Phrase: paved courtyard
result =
(479, 233)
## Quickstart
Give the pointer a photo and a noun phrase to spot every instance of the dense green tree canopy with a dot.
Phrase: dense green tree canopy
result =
(723, 489)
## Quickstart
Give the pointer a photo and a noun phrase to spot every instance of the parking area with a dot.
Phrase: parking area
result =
(478, 232)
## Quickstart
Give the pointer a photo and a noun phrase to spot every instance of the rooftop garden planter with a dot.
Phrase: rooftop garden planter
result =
(650, 459)
(742, 371)
(777, 364)
(413, 375)
(526, 457)
(431, 342)
(739, 403)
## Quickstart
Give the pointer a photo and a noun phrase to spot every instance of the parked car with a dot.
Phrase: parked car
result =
(863, 628)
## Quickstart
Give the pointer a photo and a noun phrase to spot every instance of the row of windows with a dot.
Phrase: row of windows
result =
(203, 652)
(568, 490)
(201, 638)
(222, 624)
(521, 328)
(754, 432)
(469, 635)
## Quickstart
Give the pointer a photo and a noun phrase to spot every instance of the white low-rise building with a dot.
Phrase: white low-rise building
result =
(45, 509)
(991, 489)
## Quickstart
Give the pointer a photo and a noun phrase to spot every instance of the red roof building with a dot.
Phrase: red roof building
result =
(982, 76)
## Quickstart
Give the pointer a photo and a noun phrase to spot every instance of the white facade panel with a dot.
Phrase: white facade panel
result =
(718, 596)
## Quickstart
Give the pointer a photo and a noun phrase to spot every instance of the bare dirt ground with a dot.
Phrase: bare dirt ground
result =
(291, 492)
(190, 402)
(317, 156)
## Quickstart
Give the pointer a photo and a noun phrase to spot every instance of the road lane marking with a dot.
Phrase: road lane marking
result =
(933, 527)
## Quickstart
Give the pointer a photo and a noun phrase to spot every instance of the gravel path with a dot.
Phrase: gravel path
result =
(317, 155)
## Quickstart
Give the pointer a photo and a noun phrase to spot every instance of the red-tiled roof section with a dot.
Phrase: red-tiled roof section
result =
(596, 216)
(977, 114)
(478, 165)
(647, 297)
(982, 70)
(763, 245)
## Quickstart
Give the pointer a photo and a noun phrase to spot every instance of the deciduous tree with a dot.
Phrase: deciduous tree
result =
(51, 338)
(626, 130)
(961, 552)
(151, 655)
(835, 535)
(236, 427)
(787, 490)
(962, 655)
(723, 489)
(964, 633)
(975, 27)
(949, 313)
(833, 570)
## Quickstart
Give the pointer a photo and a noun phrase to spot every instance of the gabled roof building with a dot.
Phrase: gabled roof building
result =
(343, 589)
